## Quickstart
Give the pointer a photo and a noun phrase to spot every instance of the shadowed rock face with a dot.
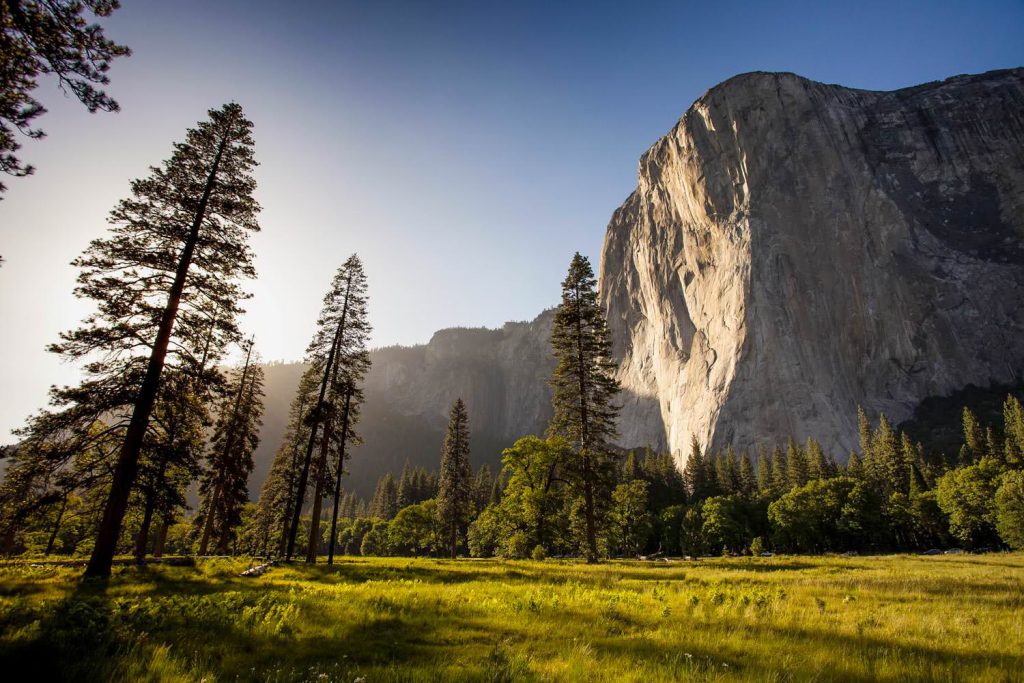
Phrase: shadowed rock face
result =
(794, 250)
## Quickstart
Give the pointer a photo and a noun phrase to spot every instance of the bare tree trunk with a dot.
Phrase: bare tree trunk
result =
(341, 470)
(56, 526)
(142, 540)
(161, 539)
(128, 461)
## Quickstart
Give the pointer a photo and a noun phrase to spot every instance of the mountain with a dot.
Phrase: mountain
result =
(795, 249)
(501, 375)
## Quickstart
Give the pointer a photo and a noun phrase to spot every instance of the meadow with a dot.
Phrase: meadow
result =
(936, 618)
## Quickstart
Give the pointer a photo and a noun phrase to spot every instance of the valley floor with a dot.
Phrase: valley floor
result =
(949, 618)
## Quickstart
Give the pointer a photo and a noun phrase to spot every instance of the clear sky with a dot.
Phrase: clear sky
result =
(464, 149)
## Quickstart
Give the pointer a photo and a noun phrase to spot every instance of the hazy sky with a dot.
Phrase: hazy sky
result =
(464, 149)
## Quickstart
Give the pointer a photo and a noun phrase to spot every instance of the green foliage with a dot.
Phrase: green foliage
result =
(415, 530)
(1010, 509)
(967, 495)
(629, 521)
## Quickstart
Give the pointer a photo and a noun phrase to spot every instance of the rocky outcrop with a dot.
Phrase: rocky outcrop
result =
(501, 374)
(795, 249)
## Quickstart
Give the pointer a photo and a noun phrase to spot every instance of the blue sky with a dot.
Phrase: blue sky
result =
(464, 149)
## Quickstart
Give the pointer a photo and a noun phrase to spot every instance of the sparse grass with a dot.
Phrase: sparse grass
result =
(943, 618)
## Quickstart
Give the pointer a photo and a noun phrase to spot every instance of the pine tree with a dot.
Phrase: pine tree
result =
(330, 342)
(584, 388)
(223, 486)
(747, 479)
(695, 473)
(797, 468)
(780, 473)
(405, 487)
(385, 498)
(1013, 431)
(50, 37)
(764, 470)
(455, 496)
(974, 436)
(342, 410)
(171, 264)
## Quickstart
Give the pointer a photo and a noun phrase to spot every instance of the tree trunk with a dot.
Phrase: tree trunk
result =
(341, 470)
(314, 520)
(304, 477)
(161, 539)
(142, 540)
(128, 461)
(56, 526)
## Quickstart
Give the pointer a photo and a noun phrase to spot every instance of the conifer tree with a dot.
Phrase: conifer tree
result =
(176, 250)
(405, 487)
(797, 468)
(818, 466)
(584, 389)
(780, 473)
(49, 37)
(325, 351)
(974, 437)
(747, 479)
(345, 399)
(455, 495)
(764, 470)
(223, 486)
(695, 473)
(385, 498)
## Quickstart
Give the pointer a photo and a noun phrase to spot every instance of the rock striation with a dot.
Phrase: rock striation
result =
(795, 249)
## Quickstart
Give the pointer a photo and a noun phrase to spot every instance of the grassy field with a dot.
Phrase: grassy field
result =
(943, 618)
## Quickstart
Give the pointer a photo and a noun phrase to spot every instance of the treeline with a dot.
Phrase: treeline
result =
(890, 496)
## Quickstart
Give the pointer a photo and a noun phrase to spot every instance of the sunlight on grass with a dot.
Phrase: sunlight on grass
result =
(395, 619)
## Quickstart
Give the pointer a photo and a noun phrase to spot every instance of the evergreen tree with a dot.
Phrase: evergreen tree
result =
(584, 388)
(344, 305)
(818, 465)
(797, 467)
(747, 479)
(176, 250)
(49, 37)
(780, 473)
(385, 498)
(406, 492)
(454, 497)
(974, 437)
(346, 396)
(223, 486)
(695, 473)
(764, 470)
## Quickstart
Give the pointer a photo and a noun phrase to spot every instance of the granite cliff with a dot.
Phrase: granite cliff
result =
(795, 249)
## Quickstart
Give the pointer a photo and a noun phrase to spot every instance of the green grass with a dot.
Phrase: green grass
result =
(943, 618)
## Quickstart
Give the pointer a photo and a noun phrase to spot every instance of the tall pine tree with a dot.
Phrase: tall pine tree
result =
(455, 489)
(584, 390)
(172, 262)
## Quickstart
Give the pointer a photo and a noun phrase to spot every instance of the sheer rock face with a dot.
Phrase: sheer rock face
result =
(794, 250)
